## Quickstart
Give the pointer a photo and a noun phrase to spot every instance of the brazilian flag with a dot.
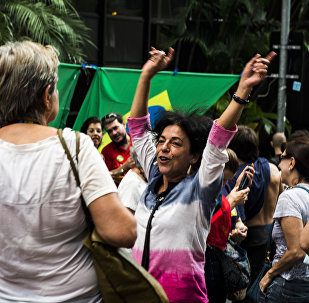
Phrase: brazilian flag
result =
(112, 91)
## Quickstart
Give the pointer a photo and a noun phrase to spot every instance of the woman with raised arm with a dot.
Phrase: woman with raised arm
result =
(185, 179)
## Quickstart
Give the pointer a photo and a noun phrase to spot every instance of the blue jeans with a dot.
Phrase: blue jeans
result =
(284, 291)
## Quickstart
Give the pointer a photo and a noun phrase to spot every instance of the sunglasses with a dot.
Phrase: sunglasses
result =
(281, 157)
(108, 116)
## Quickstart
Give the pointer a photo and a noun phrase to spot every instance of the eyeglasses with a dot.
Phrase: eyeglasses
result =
(281, 157)
(112, 115)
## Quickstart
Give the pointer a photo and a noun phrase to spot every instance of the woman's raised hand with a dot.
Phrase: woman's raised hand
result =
(158, 61)
(255, 70)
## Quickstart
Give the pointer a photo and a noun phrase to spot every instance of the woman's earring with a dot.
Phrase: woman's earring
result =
(189, 170)
(290, 168)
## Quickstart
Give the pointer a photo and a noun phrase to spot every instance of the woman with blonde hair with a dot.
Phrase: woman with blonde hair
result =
(41, 216)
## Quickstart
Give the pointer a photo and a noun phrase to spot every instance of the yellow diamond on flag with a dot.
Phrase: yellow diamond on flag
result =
(155, 105)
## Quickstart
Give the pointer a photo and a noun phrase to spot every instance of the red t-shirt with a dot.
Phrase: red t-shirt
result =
(115, 156)
(220, 226)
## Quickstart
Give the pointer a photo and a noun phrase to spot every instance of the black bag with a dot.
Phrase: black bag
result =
(121, 278)
(235, 267)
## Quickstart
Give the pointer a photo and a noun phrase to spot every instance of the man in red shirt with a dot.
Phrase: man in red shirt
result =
(117, 153)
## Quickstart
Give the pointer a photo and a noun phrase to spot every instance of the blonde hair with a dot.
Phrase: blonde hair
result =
(232, 164)
(26, 69)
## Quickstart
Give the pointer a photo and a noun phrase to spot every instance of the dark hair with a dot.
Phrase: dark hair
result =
(245, 144)
(195, 126)
(109, 118)
(88, 122)
(232, 164)
(299, 133)
(299, 149)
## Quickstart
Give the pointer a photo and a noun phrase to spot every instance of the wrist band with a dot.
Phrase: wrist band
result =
(241, 101)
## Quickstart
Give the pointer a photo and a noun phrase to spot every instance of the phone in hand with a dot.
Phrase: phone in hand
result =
(244, 182)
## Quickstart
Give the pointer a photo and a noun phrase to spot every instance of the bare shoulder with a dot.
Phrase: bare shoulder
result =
(274, 173)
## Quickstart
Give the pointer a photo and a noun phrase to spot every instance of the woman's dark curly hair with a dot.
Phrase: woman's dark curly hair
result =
(195, 126)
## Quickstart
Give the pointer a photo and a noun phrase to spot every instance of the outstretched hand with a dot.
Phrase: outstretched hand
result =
(158, 61)
(255, 70)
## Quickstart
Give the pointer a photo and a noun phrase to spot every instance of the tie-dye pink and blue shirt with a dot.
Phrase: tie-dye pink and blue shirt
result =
(181, 224)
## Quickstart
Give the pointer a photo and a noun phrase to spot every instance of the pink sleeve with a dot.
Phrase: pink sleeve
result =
(137, 126)
(221, 137)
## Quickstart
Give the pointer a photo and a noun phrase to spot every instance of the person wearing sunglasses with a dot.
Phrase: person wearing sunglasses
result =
(288, 279)
(117, 153)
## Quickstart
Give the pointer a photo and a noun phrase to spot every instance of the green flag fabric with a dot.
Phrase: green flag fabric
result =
(68, 75)
(113, 89)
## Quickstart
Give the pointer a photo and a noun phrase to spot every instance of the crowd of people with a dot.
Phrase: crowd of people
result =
(172, 194)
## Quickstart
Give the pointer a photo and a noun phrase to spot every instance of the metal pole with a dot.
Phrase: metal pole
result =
(285, 27)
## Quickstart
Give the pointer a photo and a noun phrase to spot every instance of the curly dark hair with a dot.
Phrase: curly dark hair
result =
(195, 126)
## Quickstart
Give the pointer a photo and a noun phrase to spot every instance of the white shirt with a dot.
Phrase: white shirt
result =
(130, 189)
(42, 222)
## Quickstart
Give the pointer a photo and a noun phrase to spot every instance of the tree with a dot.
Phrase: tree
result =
(223, 34)
(54, 22)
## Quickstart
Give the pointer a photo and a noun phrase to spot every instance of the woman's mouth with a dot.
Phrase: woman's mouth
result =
(163, 160)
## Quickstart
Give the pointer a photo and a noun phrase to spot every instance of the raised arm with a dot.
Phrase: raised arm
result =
(254, 72)
(157, 62)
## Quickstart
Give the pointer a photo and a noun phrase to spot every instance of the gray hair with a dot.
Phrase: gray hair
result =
(26, 70)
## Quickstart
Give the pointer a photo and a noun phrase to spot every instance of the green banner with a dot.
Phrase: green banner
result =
(112, 90)
(68, 75)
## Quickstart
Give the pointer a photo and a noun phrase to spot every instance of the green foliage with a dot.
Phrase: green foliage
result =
(253, 116)
(226, 32)
(54, 22)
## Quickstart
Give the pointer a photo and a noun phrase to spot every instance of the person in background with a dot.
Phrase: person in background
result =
(184, 165)
(299, 133)
(42, 221)
(277, 140)
(221, 227)
(94, 129)
(288, 279)
(117, 153)
(132, 185)
(257, 213)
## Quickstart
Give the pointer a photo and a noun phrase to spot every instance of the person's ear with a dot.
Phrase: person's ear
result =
(292, 163)
(195, 158)
(272, 144)
(46, 97)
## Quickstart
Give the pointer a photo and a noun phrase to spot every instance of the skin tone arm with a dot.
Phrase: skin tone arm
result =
(304, 239)
(292, 228)
(113, 222)
(254, 72)
(157, 62)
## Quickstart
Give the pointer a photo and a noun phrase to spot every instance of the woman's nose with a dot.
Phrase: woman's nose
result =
(165, 146)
